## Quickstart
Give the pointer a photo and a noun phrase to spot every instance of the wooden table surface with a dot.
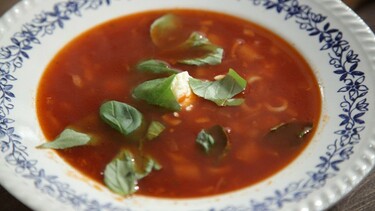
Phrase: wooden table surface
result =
(361, 198)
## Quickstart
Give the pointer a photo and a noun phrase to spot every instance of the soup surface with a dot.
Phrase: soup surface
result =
(281, 99)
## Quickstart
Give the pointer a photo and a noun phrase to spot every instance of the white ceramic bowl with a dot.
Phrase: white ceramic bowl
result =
(326, 32)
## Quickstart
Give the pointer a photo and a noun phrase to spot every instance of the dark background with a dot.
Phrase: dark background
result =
(361, 198)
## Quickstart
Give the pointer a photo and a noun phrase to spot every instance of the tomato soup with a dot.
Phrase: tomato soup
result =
(282, 98)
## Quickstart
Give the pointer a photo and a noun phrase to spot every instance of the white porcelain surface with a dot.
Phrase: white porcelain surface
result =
(327, 33)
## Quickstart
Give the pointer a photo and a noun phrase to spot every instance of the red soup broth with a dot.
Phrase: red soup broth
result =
(99, 65)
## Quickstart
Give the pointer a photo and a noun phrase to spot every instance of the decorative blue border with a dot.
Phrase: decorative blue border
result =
(11, 59)
(344, 64)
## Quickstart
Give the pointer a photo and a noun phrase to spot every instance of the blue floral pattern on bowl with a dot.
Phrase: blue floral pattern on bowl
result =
(343, 60)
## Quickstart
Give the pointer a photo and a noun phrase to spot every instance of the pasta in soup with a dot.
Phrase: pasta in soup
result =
(178, 103)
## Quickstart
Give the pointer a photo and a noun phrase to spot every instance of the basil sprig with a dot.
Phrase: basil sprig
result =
(221, 91)
(159, 91)
(67, 139)
(121, 175)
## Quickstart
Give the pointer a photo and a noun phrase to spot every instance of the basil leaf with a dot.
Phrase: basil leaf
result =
(162, 29)
(120, 174)
(196, 40)
(229, 102)
(148, 166)
(220, 91)
(156, 66)
(158, 92)
(120, 116)
(154, 130)
(205, 140)
(214, 140)
(306, 130)
(214, 57)
(238, 79)
(67, 139)
(286, 135)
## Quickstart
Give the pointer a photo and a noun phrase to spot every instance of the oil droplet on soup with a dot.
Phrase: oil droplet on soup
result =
(100, 65)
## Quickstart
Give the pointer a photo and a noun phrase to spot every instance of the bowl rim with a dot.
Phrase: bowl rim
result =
(358, 29)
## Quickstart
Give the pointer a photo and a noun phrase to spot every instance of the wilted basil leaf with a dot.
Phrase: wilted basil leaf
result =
(288, 134)
(220, 91)
(162, 29)
(196, 40)
(121, 116)
(156, 66)
(158, 92)
(67, 139)
(214, 140)
(154, 130)
(205, 140)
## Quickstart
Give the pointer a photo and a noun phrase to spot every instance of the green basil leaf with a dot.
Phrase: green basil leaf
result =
(156, 66)
(121, 116)
(196, 40)
(120, 174)
(154, 130)
(214, 140)
(287, 135)
(67, 139)
(229, 102)
(149, 164)
(158, 92)
(162, 28)
(220, 91)
(212, 58)
(205, 140)
(241, 82)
